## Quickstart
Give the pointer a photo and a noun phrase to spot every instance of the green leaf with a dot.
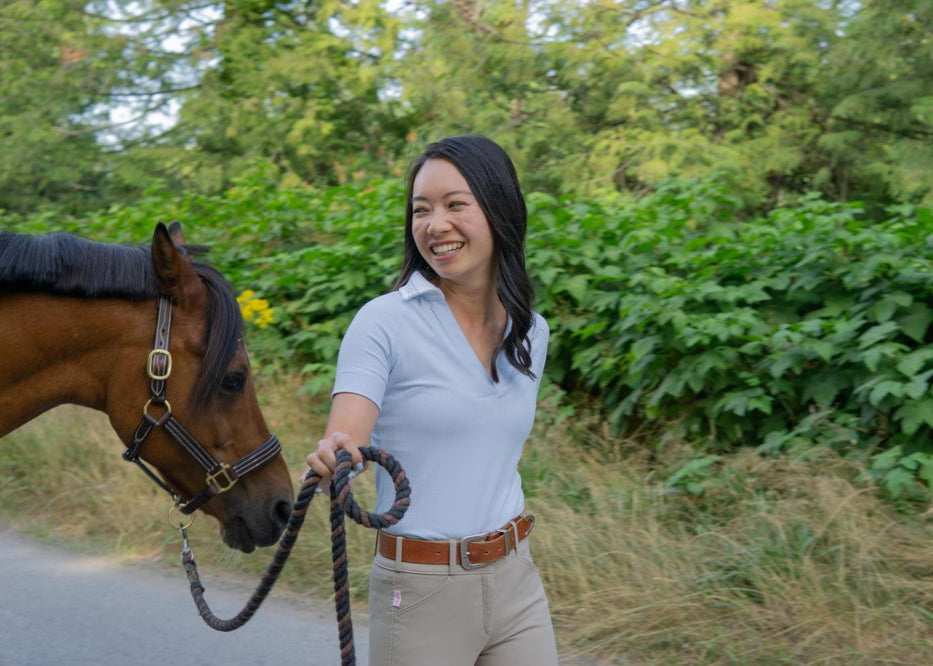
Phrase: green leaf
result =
(576, 286)
(877, 333)
(824, 388)
(898, 482)
(883, 389)
(914, 413)
(912, 363)
(883, 310)
(916, 322)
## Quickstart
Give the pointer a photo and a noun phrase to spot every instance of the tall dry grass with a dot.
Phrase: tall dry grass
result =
(786, 561)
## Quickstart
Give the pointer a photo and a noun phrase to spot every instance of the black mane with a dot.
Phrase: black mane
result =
(64, 264)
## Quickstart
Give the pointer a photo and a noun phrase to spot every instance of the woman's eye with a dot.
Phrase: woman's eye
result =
(457, 204)
(233, 382)
(418, 211)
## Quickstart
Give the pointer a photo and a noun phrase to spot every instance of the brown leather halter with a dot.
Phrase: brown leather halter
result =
(221, 477)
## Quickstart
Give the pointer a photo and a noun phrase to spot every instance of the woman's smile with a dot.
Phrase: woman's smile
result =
(446, 250)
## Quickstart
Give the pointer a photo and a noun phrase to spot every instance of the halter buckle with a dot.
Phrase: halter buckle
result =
(150, 367)
(221, 478)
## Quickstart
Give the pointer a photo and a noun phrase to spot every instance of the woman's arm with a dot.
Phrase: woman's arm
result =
(349, 424)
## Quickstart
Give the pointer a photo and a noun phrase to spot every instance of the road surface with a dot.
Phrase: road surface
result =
(59, 608)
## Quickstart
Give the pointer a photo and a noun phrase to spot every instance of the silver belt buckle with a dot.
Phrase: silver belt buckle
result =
(507, 533)
(530, 518)
(465, 551)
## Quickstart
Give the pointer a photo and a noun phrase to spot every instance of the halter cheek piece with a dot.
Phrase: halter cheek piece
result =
(221, 477)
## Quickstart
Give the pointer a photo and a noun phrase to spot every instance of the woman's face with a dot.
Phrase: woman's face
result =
(449, 227)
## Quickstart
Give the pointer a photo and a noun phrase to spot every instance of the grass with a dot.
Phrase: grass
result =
(778, 561)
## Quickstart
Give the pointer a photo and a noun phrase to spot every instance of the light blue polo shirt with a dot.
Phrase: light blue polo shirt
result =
(457, 434)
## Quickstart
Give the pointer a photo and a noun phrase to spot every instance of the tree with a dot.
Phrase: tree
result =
(878, 142)
(53, 73)
(773, 97)
(299, 83)
(64, 66)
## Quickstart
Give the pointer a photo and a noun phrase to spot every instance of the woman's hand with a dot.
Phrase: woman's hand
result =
(351, 420)
(323, 461)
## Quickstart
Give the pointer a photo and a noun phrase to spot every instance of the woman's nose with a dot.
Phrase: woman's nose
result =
(438, 223)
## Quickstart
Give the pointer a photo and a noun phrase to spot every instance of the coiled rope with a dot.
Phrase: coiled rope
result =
(341, 503)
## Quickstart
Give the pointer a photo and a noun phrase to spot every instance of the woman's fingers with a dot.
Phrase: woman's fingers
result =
(323, 461)
(345, 442)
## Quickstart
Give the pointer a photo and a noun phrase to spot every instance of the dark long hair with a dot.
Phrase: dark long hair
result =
(492, 179)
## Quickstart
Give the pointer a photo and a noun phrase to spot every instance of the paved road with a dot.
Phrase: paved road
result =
(59, 608)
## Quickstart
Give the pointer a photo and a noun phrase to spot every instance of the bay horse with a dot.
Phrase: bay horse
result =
(155, 340)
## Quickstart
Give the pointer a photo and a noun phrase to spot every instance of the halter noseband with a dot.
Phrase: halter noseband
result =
(221, 477)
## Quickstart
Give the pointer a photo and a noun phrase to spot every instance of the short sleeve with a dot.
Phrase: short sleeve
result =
(540, 337)
(365, 356)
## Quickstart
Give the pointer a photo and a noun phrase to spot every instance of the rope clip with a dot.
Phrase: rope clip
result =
(185, 545)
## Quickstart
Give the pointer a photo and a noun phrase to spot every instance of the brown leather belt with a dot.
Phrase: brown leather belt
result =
(473, 552)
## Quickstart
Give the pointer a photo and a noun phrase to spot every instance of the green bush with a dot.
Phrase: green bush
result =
(808, 326)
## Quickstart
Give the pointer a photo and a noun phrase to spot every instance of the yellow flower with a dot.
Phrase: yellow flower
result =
(255, 310)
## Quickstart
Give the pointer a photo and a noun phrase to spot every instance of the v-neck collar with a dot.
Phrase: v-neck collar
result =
(418, 285)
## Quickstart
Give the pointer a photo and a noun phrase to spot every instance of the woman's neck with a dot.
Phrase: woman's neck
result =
(478, 302)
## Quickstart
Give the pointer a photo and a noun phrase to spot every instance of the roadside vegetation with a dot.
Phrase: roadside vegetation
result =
(789, 560)
(731, 462)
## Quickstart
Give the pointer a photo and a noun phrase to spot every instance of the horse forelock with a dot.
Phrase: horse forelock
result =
(221, 334)
(67, 265)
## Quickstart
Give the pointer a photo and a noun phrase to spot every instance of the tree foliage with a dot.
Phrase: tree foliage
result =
(53, 71)
(297, 83)
(775, 98)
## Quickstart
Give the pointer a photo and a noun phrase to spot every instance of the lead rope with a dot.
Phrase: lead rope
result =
(341, 503)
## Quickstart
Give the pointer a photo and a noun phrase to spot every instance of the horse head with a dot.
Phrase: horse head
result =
(202, 386)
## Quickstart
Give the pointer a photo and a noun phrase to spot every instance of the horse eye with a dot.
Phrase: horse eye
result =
(233, 382)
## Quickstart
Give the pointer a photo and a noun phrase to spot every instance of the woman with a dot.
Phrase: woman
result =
(443, 374)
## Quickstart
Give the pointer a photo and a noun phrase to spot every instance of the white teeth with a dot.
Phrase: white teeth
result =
(446, 248)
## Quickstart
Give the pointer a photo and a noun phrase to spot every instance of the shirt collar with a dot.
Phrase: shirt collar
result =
(417, 285)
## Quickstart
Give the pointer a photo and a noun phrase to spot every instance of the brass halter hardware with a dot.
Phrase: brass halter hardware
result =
(163, 403)
(178, 521)
(221, 476)
(150, 366)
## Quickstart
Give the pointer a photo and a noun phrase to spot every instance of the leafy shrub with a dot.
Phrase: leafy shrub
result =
(810, 325)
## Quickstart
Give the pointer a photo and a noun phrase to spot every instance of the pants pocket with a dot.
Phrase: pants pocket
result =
(524, 556)
(403, 591)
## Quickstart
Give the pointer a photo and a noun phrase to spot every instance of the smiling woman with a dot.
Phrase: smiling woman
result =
(443, 373)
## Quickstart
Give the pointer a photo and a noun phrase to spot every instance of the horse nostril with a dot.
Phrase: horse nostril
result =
(281, 511)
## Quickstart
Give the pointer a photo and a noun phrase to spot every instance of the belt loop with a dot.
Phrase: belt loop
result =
(452, 545)
(398, 551)
(513, 526)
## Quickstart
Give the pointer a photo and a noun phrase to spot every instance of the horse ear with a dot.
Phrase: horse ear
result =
(176, 234)
(173, 270)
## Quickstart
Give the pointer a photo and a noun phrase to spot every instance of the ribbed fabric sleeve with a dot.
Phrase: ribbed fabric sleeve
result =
(365, 356)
